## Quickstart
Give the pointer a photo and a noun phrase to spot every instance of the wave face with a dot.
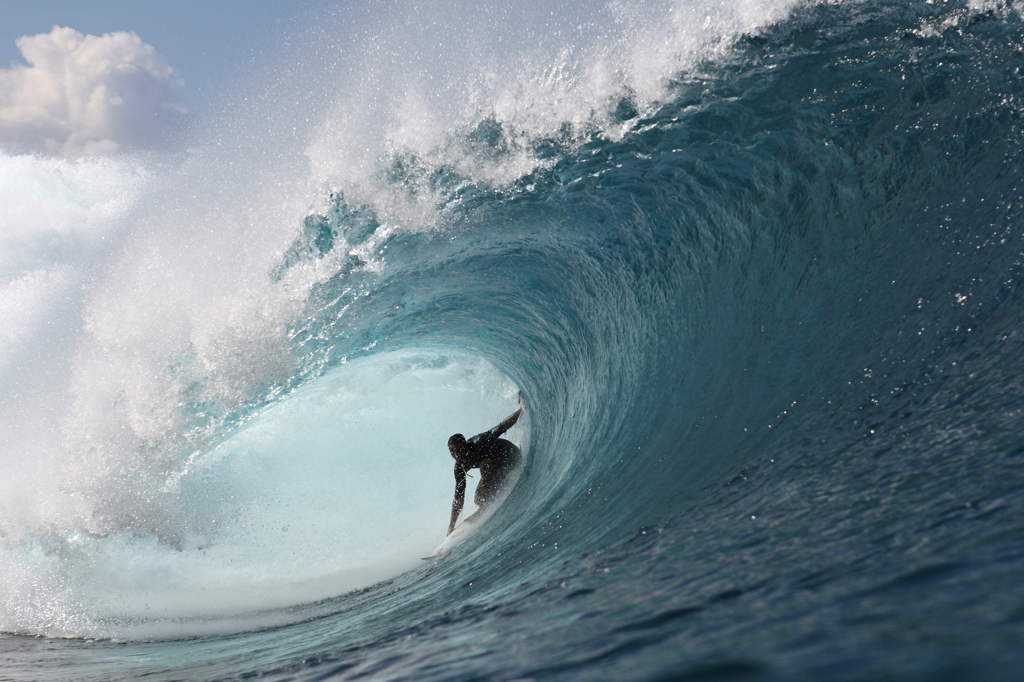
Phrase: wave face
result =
(760, 286)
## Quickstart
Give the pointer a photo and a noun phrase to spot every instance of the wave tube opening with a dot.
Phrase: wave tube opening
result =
(343, 483)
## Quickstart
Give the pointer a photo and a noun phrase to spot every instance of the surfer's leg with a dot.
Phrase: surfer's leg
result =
(507, 457)
(489, 487)
(484, 493)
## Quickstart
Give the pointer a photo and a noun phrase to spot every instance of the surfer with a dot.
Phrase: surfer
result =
(495, 457)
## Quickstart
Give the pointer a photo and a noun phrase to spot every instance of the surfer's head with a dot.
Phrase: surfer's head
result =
(457, 445)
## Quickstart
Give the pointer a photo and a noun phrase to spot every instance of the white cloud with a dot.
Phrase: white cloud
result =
(83, 95)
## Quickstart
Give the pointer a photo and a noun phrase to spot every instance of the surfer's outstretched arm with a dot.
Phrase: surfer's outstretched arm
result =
(460, 496)
(507, 424)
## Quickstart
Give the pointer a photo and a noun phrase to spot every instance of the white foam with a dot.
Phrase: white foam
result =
(126, 291)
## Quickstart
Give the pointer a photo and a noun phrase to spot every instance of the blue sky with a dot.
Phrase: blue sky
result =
(97, 90)
(206, 41)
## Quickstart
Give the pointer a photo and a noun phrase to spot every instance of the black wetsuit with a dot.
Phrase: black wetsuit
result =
(495, 457)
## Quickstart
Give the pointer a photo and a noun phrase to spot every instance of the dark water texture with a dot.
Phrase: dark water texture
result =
(773, 346)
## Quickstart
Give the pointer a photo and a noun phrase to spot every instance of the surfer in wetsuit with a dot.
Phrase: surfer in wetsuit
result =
(495, 457)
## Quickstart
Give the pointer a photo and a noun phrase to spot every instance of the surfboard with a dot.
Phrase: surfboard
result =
(461, 532)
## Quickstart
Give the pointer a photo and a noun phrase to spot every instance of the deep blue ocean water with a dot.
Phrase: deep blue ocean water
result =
(771, 343)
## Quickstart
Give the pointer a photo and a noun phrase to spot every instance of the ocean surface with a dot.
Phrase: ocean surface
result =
(757, 270)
